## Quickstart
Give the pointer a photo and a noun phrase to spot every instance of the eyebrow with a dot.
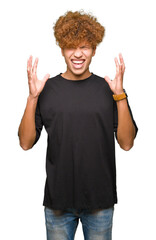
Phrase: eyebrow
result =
(85, 45)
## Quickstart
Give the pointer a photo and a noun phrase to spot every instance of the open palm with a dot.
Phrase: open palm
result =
(116, 85)
(35, 85)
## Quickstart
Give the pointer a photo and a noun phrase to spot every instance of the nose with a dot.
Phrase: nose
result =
(78, 53)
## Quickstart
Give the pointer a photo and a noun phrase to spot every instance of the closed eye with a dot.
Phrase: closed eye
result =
(84, 47)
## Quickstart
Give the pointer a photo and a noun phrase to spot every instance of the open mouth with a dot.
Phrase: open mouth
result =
(78, 63)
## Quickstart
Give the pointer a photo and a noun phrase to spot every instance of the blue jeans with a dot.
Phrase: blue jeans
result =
(62, 224)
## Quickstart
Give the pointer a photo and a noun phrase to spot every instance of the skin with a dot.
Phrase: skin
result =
(126, 130)
(27, 130)
(84, 52)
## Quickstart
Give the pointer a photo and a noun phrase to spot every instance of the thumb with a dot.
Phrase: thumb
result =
(46, 78)
(108, 80)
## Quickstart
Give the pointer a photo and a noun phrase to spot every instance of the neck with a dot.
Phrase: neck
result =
(71, 76)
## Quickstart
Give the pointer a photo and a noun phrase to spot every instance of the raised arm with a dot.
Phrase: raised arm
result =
(126, 131)
(27, 129)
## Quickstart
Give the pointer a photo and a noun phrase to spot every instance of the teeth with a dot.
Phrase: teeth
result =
(78, 62)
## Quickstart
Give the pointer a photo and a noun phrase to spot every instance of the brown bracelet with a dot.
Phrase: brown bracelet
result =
(119, 97)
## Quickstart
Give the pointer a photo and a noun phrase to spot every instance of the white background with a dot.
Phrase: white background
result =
(26, 28)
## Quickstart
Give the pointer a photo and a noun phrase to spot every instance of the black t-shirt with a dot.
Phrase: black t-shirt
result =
(80, 118)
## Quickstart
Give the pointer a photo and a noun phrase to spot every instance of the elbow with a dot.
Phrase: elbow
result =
(25, 143)
(126, 143)
(126, 147)
(25, 146)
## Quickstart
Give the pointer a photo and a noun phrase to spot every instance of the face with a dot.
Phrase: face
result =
(78, 60)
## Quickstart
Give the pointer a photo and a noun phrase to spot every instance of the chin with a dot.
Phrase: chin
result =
(79, 72)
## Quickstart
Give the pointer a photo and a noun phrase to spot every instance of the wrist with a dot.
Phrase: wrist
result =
(32, 98)
(119, 97)
(118, 92)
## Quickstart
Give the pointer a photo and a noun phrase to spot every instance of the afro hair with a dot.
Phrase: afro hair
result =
(75, 27)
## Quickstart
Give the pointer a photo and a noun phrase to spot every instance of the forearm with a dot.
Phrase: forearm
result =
(126, 128)
(27, 129)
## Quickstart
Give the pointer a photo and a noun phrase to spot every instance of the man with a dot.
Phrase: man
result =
(80, 112)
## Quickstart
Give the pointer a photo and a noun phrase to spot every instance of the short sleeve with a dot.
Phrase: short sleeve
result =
(115, 111)
(38, 123)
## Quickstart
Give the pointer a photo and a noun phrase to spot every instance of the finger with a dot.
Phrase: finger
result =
(117, 64)
(46, 78)
(29, 63)
(34, 69)
(29, 66)
(122, 62)
(121, 58)
(108, 80)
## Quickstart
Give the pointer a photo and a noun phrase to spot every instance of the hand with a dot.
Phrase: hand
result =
(35, 85)
(116, 85)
